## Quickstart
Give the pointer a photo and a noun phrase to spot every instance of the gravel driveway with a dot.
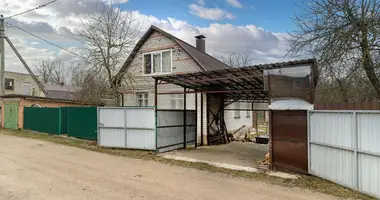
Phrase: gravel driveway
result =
(33, 169)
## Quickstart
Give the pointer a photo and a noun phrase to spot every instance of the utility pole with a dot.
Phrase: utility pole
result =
(2, 56)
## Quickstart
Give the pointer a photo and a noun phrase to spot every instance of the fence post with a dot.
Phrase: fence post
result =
(355, 141)
(155, 110)
(196, 119)
(309, 113)
(125, 127)
(59, 120)
(184, 117)
(97, 126)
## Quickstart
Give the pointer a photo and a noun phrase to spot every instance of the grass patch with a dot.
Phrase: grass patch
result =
(308, 182)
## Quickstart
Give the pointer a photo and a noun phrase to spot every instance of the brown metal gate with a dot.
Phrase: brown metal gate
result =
(289, 140)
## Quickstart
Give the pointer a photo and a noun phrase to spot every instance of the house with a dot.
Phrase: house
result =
(22, 84)
(159, 53)
(60, 91)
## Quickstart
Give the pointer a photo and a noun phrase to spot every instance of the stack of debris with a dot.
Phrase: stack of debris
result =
(243, 134)
(265, 161)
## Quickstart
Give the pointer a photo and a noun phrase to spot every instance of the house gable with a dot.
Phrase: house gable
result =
(182, 62)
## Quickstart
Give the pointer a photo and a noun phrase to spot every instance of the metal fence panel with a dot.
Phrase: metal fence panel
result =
(368, 132)
(170, 129)
(369, 174)
(335, 164)
(109, 137)
(112, 117)
(46, 120)
(343, 148)
(127, 127)
(81, 122)
(332, 128)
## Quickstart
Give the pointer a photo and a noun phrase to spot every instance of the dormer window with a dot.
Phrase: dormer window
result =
(158, 62)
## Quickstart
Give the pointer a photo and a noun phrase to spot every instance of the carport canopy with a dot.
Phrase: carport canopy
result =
(244, 84)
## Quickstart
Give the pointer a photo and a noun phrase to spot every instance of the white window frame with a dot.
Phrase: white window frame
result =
(143, 98)
(151, 62)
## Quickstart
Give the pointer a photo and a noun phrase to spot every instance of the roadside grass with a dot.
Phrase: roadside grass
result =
(303, 182)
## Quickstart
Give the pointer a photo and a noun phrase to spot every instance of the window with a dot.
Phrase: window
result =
(9, 84)
(34, 92)
(159, 62)
(176, 101)
(26, 87)
(142, 99)
(248, 114)
(237, 110)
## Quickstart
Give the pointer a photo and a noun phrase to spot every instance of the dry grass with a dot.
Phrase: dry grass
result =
(308, 182)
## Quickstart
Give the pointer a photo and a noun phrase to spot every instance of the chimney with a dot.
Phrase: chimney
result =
(201, 43)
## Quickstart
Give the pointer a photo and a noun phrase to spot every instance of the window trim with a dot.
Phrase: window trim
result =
(151, 62)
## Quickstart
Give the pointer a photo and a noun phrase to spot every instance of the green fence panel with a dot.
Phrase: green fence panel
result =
(82, 122)
(46, 120)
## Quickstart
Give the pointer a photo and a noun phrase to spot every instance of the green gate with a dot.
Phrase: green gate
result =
(11, 115)
(81, 122)
(46, 120)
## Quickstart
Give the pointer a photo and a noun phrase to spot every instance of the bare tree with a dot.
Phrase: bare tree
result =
(234, 59)
(338, 30)
(110, 34)
(52, 71)
(90, 86)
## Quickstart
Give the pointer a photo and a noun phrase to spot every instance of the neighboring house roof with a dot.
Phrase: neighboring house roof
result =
(57, 91)
(205, 61)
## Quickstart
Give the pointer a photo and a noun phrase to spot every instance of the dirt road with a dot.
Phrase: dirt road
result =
(32, 169)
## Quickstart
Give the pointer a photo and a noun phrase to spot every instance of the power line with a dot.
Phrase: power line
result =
(36, 8)
(70, 37)
(56, 45)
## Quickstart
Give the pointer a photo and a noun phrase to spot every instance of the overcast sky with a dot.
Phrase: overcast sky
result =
(256, 27)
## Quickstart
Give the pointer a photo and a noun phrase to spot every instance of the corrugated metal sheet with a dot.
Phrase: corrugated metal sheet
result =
(112, 117)
(170, 129)
(124, 127)
(289, 140)
(369, 174)
(343, 148)
(368, 132)
(335, 164)
(109, 137)
(332, 128)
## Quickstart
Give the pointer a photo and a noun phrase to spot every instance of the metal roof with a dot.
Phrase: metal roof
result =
(238, 84)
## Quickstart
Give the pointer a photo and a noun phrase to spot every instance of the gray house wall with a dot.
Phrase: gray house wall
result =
(18, 80)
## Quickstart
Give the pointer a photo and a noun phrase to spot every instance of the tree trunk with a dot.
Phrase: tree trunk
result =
(343, 90)
(115, 94)
(368, 66)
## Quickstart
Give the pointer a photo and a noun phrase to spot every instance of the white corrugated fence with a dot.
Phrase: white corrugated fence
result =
(127, 127)
(344, 147)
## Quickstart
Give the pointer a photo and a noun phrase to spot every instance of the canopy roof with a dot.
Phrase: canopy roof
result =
(238, 84)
